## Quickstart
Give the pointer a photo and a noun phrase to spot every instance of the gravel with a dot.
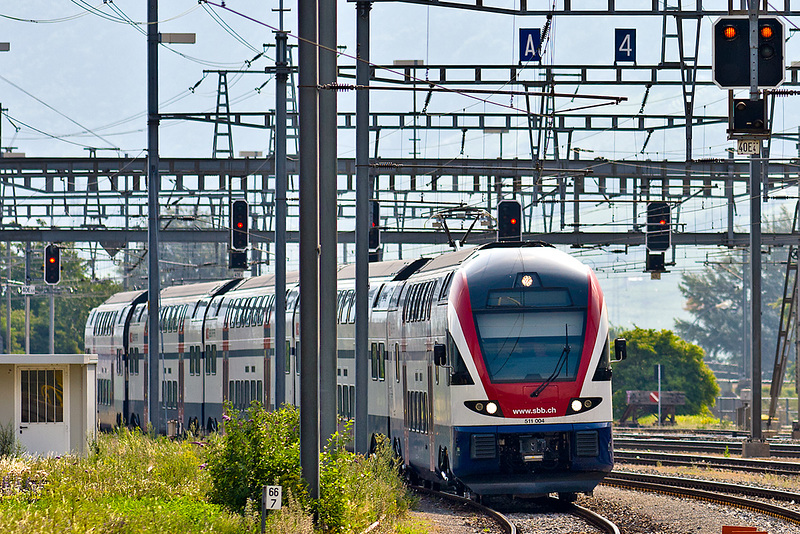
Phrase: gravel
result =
(647, 513)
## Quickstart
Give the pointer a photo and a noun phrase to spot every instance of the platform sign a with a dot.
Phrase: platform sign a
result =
(530, 40)
(624, 45)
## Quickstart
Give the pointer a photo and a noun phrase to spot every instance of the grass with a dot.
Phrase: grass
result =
(129, 484)
(132, 483)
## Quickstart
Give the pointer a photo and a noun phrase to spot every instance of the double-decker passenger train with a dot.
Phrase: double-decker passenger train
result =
(490, 366)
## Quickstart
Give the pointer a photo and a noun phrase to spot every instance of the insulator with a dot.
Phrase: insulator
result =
(338, 87)
(386, 165)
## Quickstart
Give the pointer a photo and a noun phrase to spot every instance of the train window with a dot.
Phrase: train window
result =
(444, 290)
(198, 306)
(270, 306)
(459, 374)
(345, 403)
(374, 359)
(249, 310)
(255, 310)
(397, 362)
(182, 317)
(425, 413)
(231, 392)
(260, 391)
(350, 314)
(339, 399)
(352, 401)
(378, 294)
(287, 368)
(259, 304)
(213, 359)
(419, 307)
(540, 298)
(407, 303)
(297, 357)
(381, 361)
(241, 313)
(233, 309)
(252, 391)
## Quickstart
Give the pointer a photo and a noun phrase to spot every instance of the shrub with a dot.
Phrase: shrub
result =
(9, 444)
(263, 449)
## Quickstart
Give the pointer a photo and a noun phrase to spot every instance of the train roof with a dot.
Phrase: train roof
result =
(126, 297)
(195, 290)
(449, 259)
(378, 269)
(266, 280)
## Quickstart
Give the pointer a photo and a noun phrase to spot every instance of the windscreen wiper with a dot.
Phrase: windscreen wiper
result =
(562, 360)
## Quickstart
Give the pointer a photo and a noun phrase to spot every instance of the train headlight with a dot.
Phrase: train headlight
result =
(488, 407)
(582, 404)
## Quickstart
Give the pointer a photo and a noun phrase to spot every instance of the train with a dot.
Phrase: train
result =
(490, 367)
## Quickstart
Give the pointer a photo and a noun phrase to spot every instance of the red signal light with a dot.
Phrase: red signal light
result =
(513, 220)
(766, 31)
(662, 222)
(729, 32)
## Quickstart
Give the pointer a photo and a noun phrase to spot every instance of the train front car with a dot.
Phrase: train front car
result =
(530, 324)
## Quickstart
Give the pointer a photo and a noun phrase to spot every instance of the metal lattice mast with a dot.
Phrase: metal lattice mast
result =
(223, 137)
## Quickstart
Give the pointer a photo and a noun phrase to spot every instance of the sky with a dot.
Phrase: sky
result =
(75, 78)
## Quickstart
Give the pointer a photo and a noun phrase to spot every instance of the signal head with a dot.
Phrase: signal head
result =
(766, 31)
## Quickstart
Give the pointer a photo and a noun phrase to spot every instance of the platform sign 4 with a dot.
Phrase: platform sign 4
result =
(624, 45)
(530, 40)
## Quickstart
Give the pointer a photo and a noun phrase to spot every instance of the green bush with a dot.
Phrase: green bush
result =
(9, 444)
(264, 449)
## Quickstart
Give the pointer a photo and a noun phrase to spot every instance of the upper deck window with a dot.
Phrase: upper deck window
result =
(539, 298)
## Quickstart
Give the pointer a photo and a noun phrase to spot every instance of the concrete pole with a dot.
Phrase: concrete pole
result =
(27, 299)
(327, 220)
(52, 321)
(281, 76)
(307, 12)
(153, 186)
(362, 225)
(8, 297)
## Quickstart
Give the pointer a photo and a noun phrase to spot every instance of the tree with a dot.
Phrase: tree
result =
(76, 294)
(714, 297)
(684, 370)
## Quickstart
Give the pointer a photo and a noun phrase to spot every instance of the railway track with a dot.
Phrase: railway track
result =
(726, 494)
(506, 525)
(687, 444)
(720, 462)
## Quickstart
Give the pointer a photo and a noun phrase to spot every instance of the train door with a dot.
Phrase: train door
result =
(181, 382)
(406, 414)
(430, 425)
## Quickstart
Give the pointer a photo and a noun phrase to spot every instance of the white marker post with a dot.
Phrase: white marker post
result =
(271, 499)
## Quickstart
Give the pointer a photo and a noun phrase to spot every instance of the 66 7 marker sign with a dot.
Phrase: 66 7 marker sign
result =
(748, 146)
(271, 497)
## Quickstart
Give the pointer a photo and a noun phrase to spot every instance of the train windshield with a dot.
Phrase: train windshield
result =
(531, 346)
